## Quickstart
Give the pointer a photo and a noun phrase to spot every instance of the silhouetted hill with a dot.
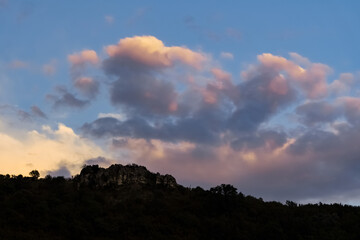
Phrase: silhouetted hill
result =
(129, 202)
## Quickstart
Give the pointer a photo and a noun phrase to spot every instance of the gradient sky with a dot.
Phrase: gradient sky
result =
(263, 95)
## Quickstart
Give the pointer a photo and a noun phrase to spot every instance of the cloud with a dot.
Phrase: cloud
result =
(109, 19)
(18, 64)
(84, 57)
(101, 161)
(149, 95)
(312, 80)
(352, 109)
(23, 150)
(342, 85)
(36, 111)
(148, 51)
(87, 86)
(298, 59)
(192, 130)
(61, 171)
(16, 113)
(117, 116)
(63, 98)
(49, 68)
(226, 55)
(142, 65)
(312, 113)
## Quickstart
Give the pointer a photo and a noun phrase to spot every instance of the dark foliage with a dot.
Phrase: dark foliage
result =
(59, 208)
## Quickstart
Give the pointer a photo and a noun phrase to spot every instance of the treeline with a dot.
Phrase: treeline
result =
(57, 208)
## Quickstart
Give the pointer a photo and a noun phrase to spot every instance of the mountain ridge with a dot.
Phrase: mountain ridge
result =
(130, 202)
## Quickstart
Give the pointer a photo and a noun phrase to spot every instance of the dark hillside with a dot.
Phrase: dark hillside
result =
(129, 202)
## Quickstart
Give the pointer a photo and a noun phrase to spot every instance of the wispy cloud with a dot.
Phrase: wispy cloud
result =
(50, 68)
(226, 55)
(18, 64)
(109, 19)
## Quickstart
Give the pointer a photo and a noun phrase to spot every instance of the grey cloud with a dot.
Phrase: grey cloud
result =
(61, 171)
(257, 103)
(63, 98)
(36, 111)
(318, 112)
(144, 94)
(314, 141)
(239, 110)
(322, 165)
(274, 139)
(119, 143)
(188, 130)
(22, 115)
(89, 87)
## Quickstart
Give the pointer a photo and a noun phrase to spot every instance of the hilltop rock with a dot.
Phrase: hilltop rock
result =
(117, 175)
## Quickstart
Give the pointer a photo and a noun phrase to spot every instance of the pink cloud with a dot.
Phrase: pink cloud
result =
(83, 57)
(351, 109)
(342, 85)
(152, 52)
(87, 86)
(312, 79)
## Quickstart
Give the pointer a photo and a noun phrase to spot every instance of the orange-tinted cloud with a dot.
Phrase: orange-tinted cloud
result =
(87, 86)
(23, 150)
(312, 79)
(83, 57)
(152, 52)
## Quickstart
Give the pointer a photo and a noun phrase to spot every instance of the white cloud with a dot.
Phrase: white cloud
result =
(118, 116)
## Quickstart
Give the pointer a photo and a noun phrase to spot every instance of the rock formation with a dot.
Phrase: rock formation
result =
(117, 175)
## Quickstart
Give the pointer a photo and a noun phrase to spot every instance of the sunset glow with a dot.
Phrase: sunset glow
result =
(268, 101)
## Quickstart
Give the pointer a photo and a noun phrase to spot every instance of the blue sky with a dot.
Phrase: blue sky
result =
(260, 94)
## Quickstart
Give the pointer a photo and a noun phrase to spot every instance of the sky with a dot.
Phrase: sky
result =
(263, 95)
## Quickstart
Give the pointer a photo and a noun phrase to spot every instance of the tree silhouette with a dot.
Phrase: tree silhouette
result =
(34, 174)
(224, 189)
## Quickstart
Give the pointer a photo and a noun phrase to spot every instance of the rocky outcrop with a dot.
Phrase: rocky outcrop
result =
(117, 175)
